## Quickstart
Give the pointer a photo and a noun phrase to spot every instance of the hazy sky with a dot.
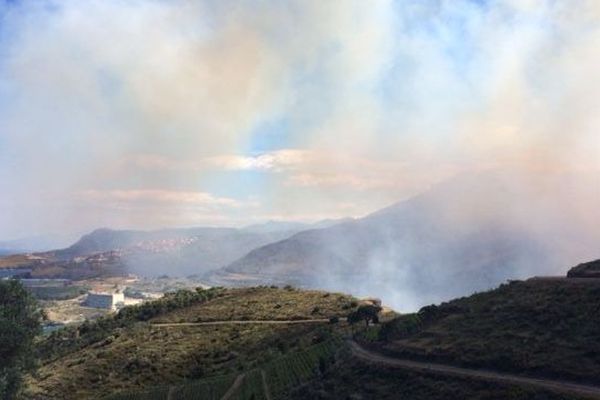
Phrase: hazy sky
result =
(175, 113)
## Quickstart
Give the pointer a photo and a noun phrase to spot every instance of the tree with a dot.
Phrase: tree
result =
(20, 323)
(366, 312)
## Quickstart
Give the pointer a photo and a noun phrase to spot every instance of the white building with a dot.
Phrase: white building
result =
(109, 301)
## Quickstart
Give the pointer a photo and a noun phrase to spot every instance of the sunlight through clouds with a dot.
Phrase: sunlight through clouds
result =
(298, 106)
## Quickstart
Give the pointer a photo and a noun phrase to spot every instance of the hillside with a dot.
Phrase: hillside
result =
(585, 270)
(464, 235)
(132, 351)
(353, 379)
(546, 328)
(539, 327)
(272, 343)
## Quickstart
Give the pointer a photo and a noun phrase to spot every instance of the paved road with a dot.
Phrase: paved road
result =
(244, 322)
(591, 392)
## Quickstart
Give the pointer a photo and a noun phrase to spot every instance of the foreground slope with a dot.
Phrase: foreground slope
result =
(534, 339)
(135, 351)
(540, 327)
(354, 379)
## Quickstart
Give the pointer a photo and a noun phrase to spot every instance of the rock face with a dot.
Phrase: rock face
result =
(586, 270)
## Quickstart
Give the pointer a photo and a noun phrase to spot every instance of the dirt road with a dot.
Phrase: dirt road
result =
(591, 392)
(235, 387)
(243, 322)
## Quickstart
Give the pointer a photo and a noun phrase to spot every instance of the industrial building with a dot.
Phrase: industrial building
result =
(109, 301)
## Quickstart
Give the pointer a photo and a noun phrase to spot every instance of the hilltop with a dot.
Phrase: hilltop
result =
(135, 350)
(585, 270)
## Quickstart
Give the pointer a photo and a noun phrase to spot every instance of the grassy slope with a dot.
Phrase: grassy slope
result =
(264, 304)
(536, 327)
(138, 355)
(351, 379)
(547, 328)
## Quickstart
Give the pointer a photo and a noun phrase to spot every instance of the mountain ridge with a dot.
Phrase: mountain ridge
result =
(466, 234)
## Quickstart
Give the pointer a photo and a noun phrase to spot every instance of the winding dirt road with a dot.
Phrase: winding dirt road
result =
(591, 392)
(235, 387)
(243, 322)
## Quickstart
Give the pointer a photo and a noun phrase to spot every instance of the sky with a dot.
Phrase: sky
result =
(148, 114)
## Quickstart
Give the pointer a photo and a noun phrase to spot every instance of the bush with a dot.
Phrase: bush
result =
(20, 323)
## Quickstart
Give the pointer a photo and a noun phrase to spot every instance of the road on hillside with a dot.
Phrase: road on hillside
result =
(591, 392)
(235, 387)
(244, 322)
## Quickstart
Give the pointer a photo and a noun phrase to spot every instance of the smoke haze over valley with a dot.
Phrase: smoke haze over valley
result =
(299, 199)
(418, 151)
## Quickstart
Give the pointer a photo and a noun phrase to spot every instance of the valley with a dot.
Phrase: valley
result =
(259, 312)
(299, 200)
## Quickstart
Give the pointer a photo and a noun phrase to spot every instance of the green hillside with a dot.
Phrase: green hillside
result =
(352, 379)
(547, 328)
(203, 344)
(540, 327)
(131, 353)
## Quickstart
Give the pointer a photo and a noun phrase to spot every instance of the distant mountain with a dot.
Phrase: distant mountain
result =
(464, 235)
(175, 252)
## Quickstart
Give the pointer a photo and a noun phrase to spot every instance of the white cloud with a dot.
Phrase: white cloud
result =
(379, 101)
(171, 198)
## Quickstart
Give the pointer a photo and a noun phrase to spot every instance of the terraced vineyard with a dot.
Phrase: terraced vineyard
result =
(280, 376)
(205, 389)
(209, 389)
(252, 387)
(291, 370)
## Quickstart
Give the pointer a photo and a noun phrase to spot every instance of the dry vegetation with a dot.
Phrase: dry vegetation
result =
(142, 355)
(351, 379)
(547, 328)
(265, 304)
